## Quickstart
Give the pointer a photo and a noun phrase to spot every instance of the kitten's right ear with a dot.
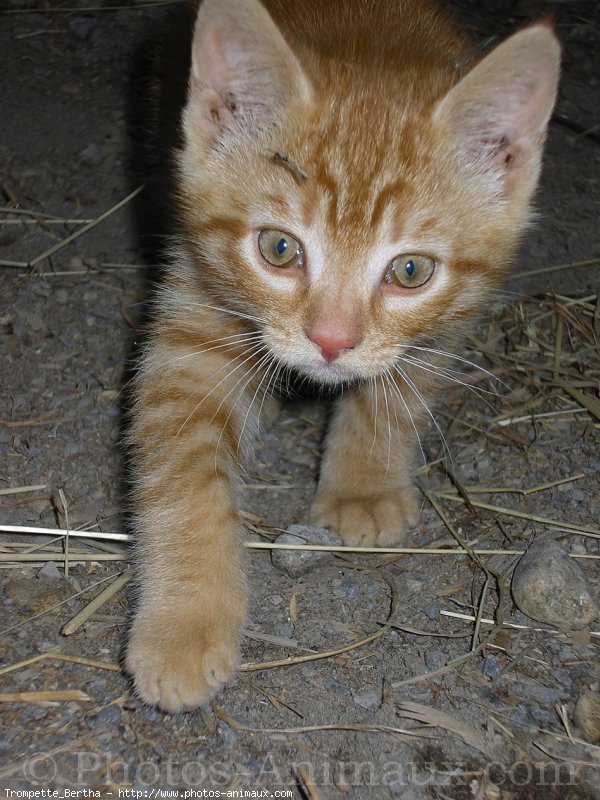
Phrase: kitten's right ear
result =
(498, 113)
(243, 72)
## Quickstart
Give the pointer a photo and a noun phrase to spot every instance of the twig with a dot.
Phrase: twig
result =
(86, 662)
(53, 697)
(80, 231)
(86, 612)
(417, 551)
(510, 512)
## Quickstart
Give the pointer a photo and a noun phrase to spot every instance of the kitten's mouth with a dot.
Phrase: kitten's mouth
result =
(332, 374)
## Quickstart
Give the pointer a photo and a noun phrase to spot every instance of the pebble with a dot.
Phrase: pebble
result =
(337, 687)
(432, 612)
(535, 692)
(435, 658)
(82, 26)
(227, 734)
(350, 588)
(587, 717)
(491, 666)
(298, 562)
(91, 156)
(368, 697)
(49, 570)
(551, 587)
(111, 715)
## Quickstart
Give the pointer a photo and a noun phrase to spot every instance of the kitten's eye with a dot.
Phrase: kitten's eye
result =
(410, 271)
(280, 249)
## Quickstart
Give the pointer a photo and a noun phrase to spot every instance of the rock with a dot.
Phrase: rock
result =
(551, 587)
(227, 734)
(109, 715)
(432, 612)
(536, 693)
(491, 666)
(587, 717)
(91, 156)
(368, 697)
(299, 562)
(49, 571)
(435, 658)
(82, 26)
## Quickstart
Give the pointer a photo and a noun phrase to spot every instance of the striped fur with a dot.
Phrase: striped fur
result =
(364, 130)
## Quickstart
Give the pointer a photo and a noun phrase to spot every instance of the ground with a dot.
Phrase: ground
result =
(73, 138)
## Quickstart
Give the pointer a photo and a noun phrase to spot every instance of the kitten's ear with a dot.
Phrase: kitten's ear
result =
(498, 113)
(243, 72)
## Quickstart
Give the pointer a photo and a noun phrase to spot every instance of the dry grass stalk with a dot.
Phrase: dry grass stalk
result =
(45, 698)
(357, 727)
(19, 489)
(54, 655)
(435, 551)
(435, 718)
(514, 625)
(87, 611)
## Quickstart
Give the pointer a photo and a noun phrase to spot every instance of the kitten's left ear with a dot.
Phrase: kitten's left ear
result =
(243, 74)
(498, 113)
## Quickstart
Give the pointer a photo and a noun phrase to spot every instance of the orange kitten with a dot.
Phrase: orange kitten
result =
(351, 187)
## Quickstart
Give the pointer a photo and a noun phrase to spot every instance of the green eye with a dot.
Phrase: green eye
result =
(410, 271)
(280, 249)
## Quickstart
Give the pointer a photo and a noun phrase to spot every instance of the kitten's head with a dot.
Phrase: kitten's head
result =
(343, 182)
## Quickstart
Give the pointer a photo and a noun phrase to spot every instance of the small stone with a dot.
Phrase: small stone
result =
(91, 156)
(82, 26)
(491, 666)
(350, 588)
(111, 715)
(587, 717)
(551, 587)
(298, 562)
(435, 658)
(579, 548)
(368, 697)
(49, 571)
(227, 734)
(432, 612)
(535, 692)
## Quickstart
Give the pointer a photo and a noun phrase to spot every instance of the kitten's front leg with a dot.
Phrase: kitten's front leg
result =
(366, 491)
(191, 602)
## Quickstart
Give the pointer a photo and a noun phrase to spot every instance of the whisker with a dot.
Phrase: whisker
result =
(276, 368)
(375, 406)
(389, 431)
(396, 389)
(236, 339)
(249, 377)
(269, 358)
(454, 357)
(449, 375)
(232, 312)
(411, 384)
(250, 353)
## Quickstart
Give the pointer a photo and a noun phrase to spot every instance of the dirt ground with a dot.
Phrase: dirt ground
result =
(411, 701)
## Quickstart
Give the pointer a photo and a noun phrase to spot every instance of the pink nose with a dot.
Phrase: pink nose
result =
(332, 345)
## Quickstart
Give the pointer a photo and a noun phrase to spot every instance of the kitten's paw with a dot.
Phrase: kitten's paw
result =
(179, 663)
(377, 520)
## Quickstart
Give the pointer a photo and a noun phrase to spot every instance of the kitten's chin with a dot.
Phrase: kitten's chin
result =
(331, 375)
